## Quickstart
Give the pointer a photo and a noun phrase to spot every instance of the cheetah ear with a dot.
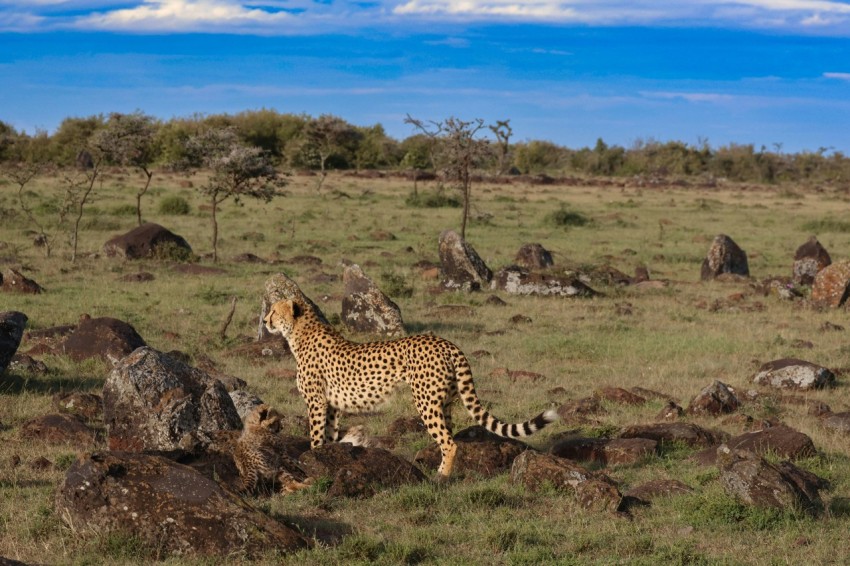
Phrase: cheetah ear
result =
(297, 310)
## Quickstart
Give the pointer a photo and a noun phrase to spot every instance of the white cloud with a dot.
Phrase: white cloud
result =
(839, 76)
(705, 97)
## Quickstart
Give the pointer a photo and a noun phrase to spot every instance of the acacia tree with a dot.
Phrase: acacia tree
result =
(327, 136)
(236, 171)
(130, 140)
(457, 150)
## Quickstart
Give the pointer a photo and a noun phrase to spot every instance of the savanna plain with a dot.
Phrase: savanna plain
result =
(665, 339)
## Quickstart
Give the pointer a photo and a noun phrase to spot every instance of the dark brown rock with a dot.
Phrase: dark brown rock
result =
(724, 256)
(519, 281)
(366, 309)
(619, 395)
(534, 256)
(791, 373)
(715, 399)
(479, 452)
(686, 433)
(605, 451)
(12, 324)
(831, 286)
(86, 405)
(670, 412)
(143, 241)
(12, 281)
(173, 509)
(153, 402)
(358, 471)
(106, 338)
(658, 488)
(60, 429)
(578, 411)
(28, 364)
(782, 441)
(838, 422)
(754, 481)
(404, 425)
(593, 491)
(809, 259)
(461, 268)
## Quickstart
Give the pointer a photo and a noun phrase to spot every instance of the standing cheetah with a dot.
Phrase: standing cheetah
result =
(260, 454)
(337, 375)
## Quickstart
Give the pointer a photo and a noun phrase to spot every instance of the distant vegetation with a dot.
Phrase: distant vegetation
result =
(302, 142)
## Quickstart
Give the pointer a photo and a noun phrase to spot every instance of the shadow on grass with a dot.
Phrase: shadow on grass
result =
(16, 384)
(325, 531)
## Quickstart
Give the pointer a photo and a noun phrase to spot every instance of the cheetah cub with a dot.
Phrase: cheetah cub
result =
(260, 454)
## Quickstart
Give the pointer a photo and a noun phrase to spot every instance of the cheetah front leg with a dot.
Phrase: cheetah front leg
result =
(332, 426)
(317, 414)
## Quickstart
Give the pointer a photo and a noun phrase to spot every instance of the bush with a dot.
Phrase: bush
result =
(170, 251)
(174, 205)
(432, 200)
(565, 217)
(124, 210)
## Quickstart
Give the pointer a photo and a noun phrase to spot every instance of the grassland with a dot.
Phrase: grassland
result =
(670, 343)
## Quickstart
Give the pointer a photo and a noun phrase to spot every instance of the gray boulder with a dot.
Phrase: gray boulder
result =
(809, 259)
(171, 508)
(154, 402)
(715, 399)
(12, 324)
(365, 308)
(461, 268)
(791, 373)
(520, 281)
(724, 256)
(534, 256)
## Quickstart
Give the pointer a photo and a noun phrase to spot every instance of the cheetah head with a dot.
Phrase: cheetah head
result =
(262, 417)
(281, 317)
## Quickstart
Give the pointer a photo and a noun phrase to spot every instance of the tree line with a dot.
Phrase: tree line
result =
(327, 142)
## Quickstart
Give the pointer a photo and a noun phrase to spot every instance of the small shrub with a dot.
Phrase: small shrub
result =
(395, 286)
(170, 251)
(827, 225)
(437, 199)
(124, 210)
(566, 218)
(174, 205)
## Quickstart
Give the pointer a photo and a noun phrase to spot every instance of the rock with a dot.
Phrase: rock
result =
(28, 364)
(809, 259)
(461, 268)
(479, 452)
(534, 256)
(365, 308)
(144, 241)
(605, 451)
(654, 489)
(724, 256)
(106, 338)
(60, 429)
(781, 441)
(593, 491)
(619, 395)
(678, 432)
(791, 373)
(405, 425)
(577, 411)
(248, 258)
(754, 481)
(670, 412)
(168, 506)
(838, 422)
(277, 288)
(12, 324)
(714, 399)
(244, 402)
(86, 405)
(495, 301)
(519, 281)
(831, 286)
(12, 281)
(153, 402)
(358, 471)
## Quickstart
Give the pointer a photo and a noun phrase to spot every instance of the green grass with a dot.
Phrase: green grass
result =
(671, 342)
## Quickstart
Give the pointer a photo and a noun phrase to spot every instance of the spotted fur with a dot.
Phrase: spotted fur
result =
(336, 375)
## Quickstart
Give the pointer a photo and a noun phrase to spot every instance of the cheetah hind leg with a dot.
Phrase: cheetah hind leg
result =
(288, 483)
(332, 424)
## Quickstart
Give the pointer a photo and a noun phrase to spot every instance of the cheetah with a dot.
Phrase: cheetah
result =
(334, 374)
(260, 454)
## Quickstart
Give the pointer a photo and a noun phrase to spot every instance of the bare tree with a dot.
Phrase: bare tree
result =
(21, 173)
(503, 132)
(457, 150)
(79, 189)
(236, 171)
(129, 139)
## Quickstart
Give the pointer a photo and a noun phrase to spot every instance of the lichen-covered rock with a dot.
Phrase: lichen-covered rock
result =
(534, 256)
(106, 338)
(715, 399)
(520, 281)
(86, 405)
(171, 508)
(831, 286)
(144, 242)
(791, 373)
(153, 402)
(365, 308)
(809, 259)
(12, 324)
(461, 268)
(724, 256)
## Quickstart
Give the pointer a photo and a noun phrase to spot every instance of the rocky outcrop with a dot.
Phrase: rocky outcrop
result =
(534, 256)
(146, 241)
(724, 256)
(520, 281)
(831, 286)
(791, 373)
(461, 268)
(12, 324)
(171, 508)
(106, 338)
(809, 260)
(715, 399)
(153, 402)
(365, 308)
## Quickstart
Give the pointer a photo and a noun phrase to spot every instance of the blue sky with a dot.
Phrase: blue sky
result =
(765, 72)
